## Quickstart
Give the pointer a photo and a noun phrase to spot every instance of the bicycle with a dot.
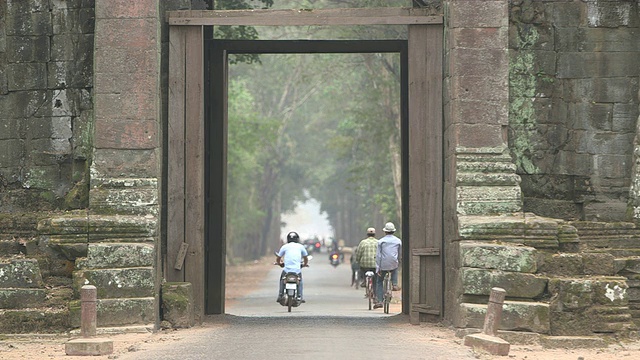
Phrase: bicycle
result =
(369, 293)
(387, 294)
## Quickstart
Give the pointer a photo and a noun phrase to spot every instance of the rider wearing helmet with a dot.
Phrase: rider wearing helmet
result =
(295, 258)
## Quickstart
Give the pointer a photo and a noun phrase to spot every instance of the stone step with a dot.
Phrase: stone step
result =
(11, 247)
(117, 255)
(117, 312)
(516, 315)
(21, 298)
(20, 273)
(486, 167)
(117, 283)
(39, 321)
(490, 179)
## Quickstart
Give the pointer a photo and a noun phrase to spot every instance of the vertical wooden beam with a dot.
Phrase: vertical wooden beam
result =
(425, 164)
(432, 272)
(217, 178)
(175, 151)
(417, 158)
(194, 178)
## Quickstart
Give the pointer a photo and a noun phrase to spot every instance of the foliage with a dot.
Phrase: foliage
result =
(326, 125)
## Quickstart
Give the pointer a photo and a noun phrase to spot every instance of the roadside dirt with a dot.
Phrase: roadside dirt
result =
(250, 275)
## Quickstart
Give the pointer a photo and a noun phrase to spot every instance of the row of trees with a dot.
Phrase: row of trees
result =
(326, 125)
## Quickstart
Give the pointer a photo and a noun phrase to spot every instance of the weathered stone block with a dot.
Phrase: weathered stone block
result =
(126, 134)
(500, 257)
(573, 342)
(177, 304)
(27, 21)
(117, 283)
(484, 88)
(88, 347)
(478, 38)
(72, 21)
(34, 321)
(624, 117)
(598, 264)
(26, 76)
(20, 273)
(561, 264)
(618, 64)
(601, 90)
(74, 74)
(101, 256)
(70, 47)
(516, 315)
(125, 163)
(612, 14)
(28, 49)
(517, 285)
(487, 343)
(573, 39)
(478, 14)
(476, 62)
(11, 152)
(570, 323)
(21, 298)
(575, 294)
(117, 312)
(570, 14)
(125, 9)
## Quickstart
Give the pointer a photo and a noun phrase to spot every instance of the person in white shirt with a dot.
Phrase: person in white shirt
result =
(292, 257)
(387, 259)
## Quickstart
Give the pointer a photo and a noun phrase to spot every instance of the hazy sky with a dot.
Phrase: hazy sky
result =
(307, 221)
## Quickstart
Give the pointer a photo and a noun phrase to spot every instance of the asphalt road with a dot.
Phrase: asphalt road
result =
(335, 323)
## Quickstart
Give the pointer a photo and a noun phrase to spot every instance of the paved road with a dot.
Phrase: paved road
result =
(335, 323)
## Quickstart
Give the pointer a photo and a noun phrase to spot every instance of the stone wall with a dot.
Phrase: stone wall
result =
(561, 278)
(574, 78)
(46, 63)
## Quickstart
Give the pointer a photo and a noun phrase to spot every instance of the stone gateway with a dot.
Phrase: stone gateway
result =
(531, 183)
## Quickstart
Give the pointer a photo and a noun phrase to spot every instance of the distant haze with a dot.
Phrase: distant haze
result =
(307, 221)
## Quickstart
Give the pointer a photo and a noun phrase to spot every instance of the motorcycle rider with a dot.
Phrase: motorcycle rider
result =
(295, 258)
(387, 259)
(366, 255)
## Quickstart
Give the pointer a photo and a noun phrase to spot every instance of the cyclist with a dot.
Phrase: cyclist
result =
(366, 255)
(387, 260)
(295, 258)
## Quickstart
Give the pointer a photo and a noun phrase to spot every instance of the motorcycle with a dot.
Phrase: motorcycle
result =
(290, 299)
(334, 259)
(291, 282)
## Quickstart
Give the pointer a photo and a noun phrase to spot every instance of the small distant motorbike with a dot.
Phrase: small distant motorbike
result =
(334, 259)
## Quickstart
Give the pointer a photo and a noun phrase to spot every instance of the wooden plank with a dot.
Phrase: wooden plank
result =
(194, 180)
(414, 290)
(304, 17)
(181, 255)
(175, 152)
(425, 252)
(433, 271)
(418, 157)
(425, 309)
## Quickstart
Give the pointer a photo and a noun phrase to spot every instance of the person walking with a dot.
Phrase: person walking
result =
(366, 255)
(387, 260)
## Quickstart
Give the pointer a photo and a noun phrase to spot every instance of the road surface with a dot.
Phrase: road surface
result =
(335, 323)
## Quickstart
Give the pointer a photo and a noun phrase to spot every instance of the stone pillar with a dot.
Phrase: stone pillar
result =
(480, 178)
(124, 197)
(89, 315)
(494, 311)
